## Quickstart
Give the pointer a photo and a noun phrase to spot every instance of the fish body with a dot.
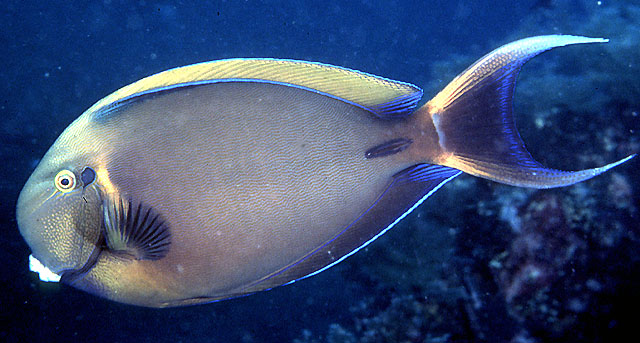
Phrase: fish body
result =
(225, 178)
(243, 207)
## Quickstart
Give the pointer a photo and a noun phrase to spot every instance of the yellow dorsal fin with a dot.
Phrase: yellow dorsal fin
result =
(379, 95)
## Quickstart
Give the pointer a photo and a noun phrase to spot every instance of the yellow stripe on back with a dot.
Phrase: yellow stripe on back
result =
(352, 86)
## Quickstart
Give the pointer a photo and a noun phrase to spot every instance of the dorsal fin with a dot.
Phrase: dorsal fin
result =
(378, 95)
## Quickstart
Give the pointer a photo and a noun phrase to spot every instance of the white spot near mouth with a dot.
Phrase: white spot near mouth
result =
(44, 273)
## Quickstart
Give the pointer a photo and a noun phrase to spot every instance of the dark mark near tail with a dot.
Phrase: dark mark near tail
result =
(391, 147)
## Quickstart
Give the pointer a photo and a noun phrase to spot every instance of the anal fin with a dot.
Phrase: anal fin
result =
(406, 190)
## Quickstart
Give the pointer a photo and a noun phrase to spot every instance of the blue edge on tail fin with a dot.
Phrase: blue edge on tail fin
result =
(477, 125)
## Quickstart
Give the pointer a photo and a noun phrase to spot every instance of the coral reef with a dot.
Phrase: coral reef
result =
(543, 246)
(403, 318)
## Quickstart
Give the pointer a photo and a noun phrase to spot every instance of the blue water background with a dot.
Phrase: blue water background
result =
(60, 57)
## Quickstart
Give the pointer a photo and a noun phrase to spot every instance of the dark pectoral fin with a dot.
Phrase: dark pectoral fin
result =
(407, 189)
(134, 229)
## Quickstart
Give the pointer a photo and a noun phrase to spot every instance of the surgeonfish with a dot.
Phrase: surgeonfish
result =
(225, 178)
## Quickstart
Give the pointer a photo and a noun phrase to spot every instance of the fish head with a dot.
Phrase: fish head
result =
(81, 228)
(59, 209)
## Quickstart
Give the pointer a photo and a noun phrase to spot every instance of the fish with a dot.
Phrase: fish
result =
(225, 178)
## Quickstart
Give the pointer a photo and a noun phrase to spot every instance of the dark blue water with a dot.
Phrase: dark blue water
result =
(477, 262)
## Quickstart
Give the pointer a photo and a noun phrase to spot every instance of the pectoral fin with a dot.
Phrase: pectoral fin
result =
(134, 229)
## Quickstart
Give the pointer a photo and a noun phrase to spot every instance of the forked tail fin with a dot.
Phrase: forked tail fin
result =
(473, 116)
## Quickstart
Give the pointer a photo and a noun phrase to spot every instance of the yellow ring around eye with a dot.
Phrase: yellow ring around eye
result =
(65, 181)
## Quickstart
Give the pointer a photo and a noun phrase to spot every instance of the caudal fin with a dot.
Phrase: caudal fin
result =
(473, 116)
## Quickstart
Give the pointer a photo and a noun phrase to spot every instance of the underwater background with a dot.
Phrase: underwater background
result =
(477, 262)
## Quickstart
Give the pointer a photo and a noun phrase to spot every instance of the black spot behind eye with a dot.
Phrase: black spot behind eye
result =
(87, 176)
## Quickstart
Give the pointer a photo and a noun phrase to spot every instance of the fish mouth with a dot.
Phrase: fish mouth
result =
(45, 274)
(66, 276)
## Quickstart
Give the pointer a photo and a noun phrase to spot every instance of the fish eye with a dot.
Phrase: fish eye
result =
(65, 181)
(87, 176)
